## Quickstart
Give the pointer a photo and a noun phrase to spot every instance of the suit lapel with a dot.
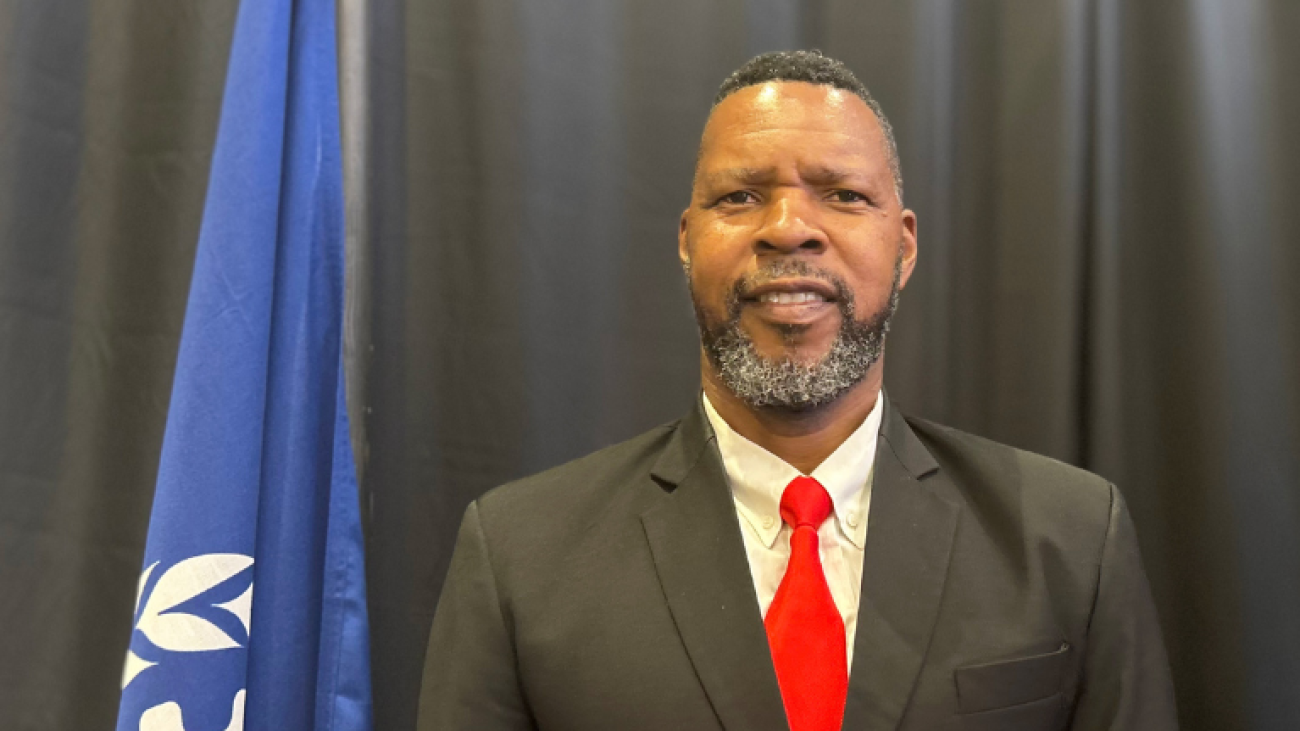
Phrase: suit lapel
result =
(699, 555)
(910, 532)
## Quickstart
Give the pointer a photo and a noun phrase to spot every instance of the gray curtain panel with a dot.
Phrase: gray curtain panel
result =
(108, 112)
(1108, 274)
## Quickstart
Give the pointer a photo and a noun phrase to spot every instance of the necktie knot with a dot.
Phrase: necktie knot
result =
(805, 503)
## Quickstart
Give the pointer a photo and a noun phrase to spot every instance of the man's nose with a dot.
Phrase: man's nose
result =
(791, 225)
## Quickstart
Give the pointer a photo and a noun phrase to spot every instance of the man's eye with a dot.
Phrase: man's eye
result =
(847, 196)
(738, 198)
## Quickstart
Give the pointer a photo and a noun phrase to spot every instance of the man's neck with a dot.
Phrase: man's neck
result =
(803, 439)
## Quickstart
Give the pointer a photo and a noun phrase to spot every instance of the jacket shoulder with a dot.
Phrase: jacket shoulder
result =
(988, 473)
(948, 444)
(617, 474)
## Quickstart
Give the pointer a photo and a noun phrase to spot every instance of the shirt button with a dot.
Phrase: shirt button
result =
(852, 518)
(769, 521)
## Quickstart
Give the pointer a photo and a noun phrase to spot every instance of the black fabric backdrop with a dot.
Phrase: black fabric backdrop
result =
(1108, 274)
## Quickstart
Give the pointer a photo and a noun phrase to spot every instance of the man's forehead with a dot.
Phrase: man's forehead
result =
(791, 105)
(828, 134)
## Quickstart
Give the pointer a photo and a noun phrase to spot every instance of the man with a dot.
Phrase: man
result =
(794, 553)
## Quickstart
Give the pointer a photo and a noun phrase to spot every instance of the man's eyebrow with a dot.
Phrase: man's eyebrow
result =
(819, 175)
(825, 175)
(740, 176)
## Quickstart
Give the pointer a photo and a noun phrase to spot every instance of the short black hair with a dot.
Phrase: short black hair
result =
(812, 67)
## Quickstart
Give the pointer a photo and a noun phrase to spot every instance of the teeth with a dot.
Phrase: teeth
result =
(788, 298)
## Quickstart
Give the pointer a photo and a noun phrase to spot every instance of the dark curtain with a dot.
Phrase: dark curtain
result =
(108, 113)
(1108, 275)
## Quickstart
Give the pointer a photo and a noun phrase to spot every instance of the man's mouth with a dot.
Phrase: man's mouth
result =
(791, 291)
(793, 301)
(790, 298)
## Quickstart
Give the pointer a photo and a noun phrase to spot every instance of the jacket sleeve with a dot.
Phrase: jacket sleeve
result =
(1126, 684)
(470, 673)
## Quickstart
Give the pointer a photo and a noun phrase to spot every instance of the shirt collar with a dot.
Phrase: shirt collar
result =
(758, 477)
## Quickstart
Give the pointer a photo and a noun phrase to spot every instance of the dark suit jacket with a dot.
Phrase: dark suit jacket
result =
(1000, 590)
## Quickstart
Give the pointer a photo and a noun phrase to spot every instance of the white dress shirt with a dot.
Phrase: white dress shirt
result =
(758, 479)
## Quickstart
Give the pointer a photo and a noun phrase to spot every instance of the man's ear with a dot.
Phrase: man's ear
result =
(907, 247)
(683, 254)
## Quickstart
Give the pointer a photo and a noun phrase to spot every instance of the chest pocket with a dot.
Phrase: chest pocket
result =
(1012, 682)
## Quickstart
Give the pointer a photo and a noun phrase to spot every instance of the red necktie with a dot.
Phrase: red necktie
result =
(804, 629)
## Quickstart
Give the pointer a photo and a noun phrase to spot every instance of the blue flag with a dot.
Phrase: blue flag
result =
(250, 612)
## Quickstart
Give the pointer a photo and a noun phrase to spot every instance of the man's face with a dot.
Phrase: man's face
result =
(795, 242)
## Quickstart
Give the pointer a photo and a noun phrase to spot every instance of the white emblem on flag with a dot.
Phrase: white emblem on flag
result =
(182, 632)
(175, 631)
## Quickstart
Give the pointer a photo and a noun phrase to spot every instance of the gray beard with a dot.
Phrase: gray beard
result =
(786, 384)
